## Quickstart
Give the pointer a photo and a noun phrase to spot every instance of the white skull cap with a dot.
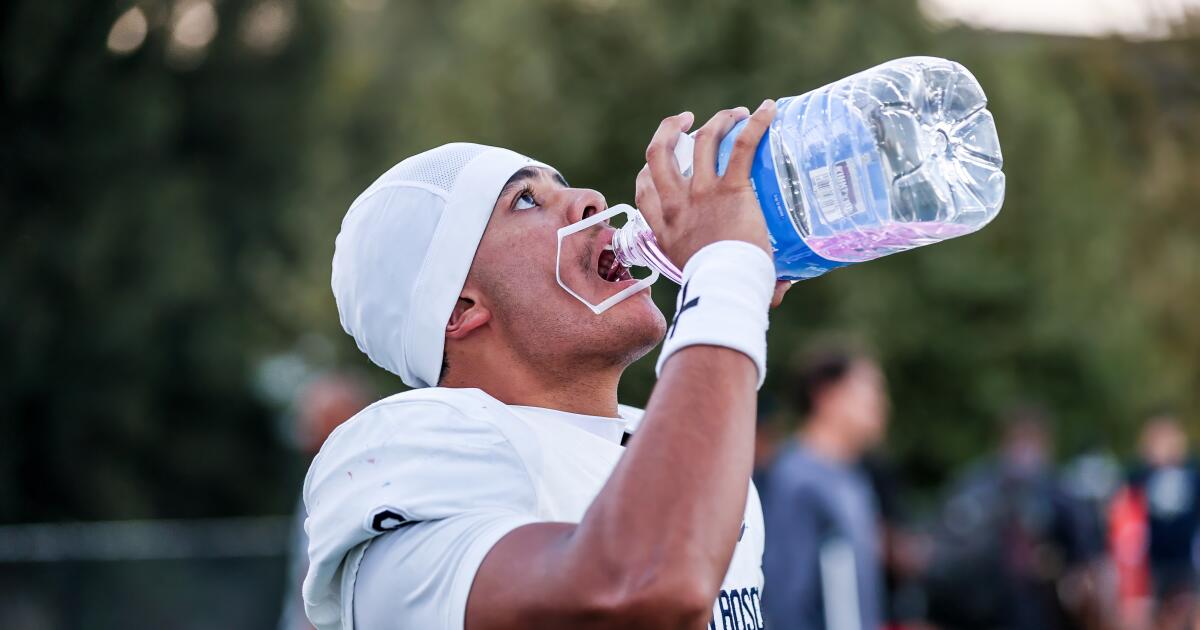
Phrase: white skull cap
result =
(405, 248)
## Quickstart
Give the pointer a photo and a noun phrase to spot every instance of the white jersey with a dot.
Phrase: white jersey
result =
(446, 473)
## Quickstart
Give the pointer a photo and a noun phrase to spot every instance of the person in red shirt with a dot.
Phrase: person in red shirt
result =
(1154, 528)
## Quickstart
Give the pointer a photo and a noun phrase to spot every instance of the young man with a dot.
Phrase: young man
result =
(502, 497)
(1155, 530)
(822, 549)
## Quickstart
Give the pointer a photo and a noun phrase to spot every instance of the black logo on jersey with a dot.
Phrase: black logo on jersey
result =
(686, 304)
(386, 519)
(743, 532)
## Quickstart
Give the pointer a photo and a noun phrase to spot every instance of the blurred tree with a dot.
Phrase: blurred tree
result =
(169, 213)
(144, 194)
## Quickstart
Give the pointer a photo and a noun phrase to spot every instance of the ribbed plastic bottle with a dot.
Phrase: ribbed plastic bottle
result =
(902, 155)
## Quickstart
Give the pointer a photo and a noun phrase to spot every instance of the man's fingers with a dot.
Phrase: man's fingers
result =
(646, 197)
(660, 155)
(742, 156)
(781, 288)
(708, 138)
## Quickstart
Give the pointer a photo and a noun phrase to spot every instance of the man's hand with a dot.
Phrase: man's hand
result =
(781, 288)
(687, 213)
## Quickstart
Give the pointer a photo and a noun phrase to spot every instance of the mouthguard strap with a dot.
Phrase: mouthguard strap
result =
(579, 226)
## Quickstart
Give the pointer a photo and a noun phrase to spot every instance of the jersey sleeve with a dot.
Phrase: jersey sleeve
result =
(420, 575)
(415, 468)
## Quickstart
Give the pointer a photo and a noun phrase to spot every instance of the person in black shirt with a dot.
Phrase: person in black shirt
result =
(1167, 481)
(1010, 525)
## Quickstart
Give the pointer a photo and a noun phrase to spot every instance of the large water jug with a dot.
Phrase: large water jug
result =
(895, 157)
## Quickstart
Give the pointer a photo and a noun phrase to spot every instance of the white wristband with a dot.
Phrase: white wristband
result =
(726, 292)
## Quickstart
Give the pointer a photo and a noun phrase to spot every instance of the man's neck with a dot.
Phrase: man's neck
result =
(822, 438)
(593, 402)
(591, 392)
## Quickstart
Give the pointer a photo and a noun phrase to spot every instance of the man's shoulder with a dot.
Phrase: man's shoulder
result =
(432, 409)
(425, 435)
(461, 400)
(433, 424)
(414, 417)
(797, 469)
(794, 457)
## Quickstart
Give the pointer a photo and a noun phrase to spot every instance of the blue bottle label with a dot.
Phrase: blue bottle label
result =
(794, 259)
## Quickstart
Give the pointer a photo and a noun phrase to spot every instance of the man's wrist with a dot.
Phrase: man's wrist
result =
(726, 293)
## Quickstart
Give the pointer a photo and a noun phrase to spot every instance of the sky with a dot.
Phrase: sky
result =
(1138, 19)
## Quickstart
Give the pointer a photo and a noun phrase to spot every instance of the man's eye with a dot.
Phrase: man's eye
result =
(525, 201)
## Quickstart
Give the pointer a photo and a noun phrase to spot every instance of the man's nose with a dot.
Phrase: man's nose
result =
(583, 203)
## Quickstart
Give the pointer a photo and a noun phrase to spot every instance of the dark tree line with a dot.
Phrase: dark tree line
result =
(166, 226)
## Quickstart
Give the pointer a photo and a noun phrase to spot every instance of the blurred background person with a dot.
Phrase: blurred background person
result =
(822, 557)
(1090, 479)
(321, 406)
(1009, 525)
(769, 433)
(1156, 530)
(905, 547)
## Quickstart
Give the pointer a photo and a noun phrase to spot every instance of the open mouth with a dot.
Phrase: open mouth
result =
(609, 269)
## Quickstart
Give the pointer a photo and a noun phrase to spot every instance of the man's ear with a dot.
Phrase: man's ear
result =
(468, 315)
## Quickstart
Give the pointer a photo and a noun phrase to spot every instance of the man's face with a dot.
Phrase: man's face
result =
(1164, 442)
(859, 403)
(1026, 450)
(514, 268)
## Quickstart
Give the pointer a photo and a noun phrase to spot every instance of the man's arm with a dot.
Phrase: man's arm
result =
(653, 548)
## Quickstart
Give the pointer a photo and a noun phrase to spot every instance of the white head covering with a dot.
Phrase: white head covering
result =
(406, 245)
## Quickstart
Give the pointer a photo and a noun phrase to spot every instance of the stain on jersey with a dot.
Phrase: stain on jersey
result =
(737, 610)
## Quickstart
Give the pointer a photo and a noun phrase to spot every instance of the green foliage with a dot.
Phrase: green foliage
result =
(165, 228)
(140, 204)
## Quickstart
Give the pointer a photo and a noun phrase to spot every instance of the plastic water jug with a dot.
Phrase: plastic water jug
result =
(902, 155)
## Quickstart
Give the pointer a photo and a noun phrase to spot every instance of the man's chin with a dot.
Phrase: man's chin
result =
(642, 325)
